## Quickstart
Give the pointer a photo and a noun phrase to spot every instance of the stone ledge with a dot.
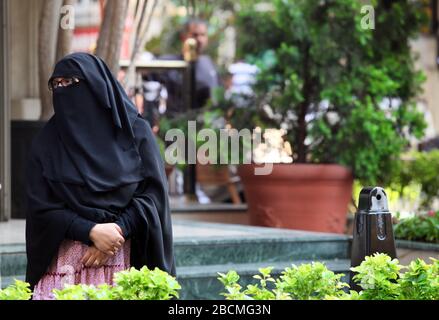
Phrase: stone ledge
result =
(416, 245)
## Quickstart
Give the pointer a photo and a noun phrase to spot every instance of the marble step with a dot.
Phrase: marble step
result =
(199, 244)
(217, 251)
(12, 263)
(215, 243)
(202, 282)
(267, 250)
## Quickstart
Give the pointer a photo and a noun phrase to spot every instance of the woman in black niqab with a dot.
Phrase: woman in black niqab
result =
(95, 163)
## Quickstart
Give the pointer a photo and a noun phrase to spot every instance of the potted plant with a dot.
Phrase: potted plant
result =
(345, 95)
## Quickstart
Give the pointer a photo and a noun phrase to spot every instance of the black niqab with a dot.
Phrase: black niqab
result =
(94, 119)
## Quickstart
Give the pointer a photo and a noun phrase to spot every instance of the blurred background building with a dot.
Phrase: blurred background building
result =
(19, 63)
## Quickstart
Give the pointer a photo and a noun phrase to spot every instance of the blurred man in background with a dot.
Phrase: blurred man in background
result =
(205, 71)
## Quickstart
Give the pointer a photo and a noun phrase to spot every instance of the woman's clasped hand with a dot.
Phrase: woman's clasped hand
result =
(107, 240)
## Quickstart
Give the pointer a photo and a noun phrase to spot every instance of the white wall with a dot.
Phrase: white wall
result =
(425, 48)
(24, 94)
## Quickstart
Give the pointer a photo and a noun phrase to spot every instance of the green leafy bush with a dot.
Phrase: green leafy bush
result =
(132, 284)
(310, 281)
(306, 282)
(420, 281)
(145, 284)
(421, 227)
(18, 291)
(258, 291)
(379, 277)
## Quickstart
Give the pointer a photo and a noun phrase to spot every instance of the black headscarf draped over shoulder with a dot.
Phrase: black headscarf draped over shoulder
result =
(96, 161)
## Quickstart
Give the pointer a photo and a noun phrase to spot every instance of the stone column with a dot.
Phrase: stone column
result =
(5, 199)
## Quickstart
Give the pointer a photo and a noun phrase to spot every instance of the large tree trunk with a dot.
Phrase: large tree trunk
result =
(111, 33)
(48, 30)
(142, 21)
(137, 10)
(105, 31)
(65, 37)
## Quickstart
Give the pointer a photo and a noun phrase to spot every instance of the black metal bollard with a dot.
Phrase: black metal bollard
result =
(373, 230)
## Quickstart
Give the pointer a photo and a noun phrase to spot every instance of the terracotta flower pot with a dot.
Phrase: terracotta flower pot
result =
(298, 196)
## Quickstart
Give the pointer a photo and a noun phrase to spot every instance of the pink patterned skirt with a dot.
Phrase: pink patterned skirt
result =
(66, 268)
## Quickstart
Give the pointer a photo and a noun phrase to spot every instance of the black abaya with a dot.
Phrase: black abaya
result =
(96, 161)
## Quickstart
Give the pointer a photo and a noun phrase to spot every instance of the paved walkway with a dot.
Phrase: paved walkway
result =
(13, 231)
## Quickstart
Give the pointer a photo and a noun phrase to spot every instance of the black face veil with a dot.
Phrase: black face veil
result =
(94, 120)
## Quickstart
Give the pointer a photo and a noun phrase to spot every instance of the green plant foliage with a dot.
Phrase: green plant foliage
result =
(230, 282)
(85, 292)
(422, 169)
(145, 284)
(260, 291)
(420, 281)
(310, 281)
(305, 282)
(180, 123)
(18, 291)
(421, 227)
(132, 284)
(377, 277)
(375, 131)
(345, 94)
